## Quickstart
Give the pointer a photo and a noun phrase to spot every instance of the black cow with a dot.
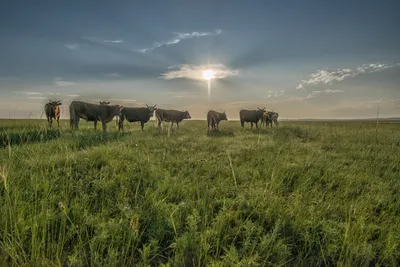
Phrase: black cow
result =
(142, 115)
(173, 116)
(213, 119)
(252, 116)
(52, 110)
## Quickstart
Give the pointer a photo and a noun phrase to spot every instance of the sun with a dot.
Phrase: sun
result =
(208, 74)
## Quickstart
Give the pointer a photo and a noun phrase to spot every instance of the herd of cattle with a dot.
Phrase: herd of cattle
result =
(104, 113)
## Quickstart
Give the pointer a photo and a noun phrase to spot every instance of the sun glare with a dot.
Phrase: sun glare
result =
(208, 74)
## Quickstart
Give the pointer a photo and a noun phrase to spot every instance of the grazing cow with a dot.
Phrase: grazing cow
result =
(92, 112)
(252, 116)
(172, 116)
(142, 115)
(52, 110)
(213, 119)
(104, 103)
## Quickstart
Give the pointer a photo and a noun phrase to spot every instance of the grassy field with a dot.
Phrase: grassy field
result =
(302, 194)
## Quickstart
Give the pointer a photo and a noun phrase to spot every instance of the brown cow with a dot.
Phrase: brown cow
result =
(173, 116)
(92, 112)
(52, 110)
(213, 119)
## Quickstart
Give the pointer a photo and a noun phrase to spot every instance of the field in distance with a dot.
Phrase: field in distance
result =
(305, 194)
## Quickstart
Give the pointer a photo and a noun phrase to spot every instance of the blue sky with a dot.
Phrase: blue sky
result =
(318, 59)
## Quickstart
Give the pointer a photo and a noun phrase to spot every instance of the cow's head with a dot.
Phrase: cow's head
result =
(187, 115)
(55, 103)
(104, 103)
(223, 117)
(151, 109)
(261, 111)
(116, 110)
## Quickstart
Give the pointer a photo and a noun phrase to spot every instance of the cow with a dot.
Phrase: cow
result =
(52, 110)
(274, 118)
(104, 103)
(213, 119)
(266, 118)
(173, 116)
(92, 112)
(142, 115)
(252, 116)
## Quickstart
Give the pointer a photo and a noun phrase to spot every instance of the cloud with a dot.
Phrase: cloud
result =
(33, 93)
(195, 72)
(338, 75)
(61, 82)
(178, 38)
(331, 91)
(113, 75)
(72, 46)
(101, 41)
(37, 97)
(314, 94)
(275, 93)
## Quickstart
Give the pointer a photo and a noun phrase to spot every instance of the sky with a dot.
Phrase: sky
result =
(302, 59)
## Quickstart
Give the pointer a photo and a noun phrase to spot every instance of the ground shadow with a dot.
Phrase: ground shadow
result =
(32, 136)
(218, 133)
(85, 139)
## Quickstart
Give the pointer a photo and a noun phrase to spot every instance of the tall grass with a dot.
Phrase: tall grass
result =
(308, 194)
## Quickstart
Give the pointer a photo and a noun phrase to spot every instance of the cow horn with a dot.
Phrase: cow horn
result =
(147, 105)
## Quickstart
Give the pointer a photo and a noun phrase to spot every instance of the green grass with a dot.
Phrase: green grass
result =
(302, 194)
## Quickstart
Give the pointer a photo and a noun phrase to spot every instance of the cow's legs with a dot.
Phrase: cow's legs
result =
(160, 124)
(251, 125)
(104, 124)
(242, 123)
(142, 125)
(177, 125)
(95, 125)
(257, 125)
(172, 124)
(58, 122)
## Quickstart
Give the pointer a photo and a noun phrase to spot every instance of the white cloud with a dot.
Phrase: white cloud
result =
(73, 95)
(195, 72)
(72, 46)
(33, 93)
(338, 75)
(179, 37)
(332, 91)
(37, 97)
(61, 82)
(102, 41)
(314, 94)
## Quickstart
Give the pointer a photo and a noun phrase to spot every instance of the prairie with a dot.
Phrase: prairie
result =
(305, 194)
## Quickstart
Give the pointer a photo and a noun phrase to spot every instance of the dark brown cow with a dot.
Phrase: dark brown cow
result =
(92, 112)
(52, 111)
(141, 115)
(173, 116)
(213, 119)
(104, 103)
(252, 116)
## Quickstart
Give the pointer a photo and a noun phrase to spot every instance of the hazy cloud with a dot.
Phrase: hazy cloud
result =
(179, 37)
(101, 41)
(61, 82)
(195, 72)
(329, 76)
(72, 46)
